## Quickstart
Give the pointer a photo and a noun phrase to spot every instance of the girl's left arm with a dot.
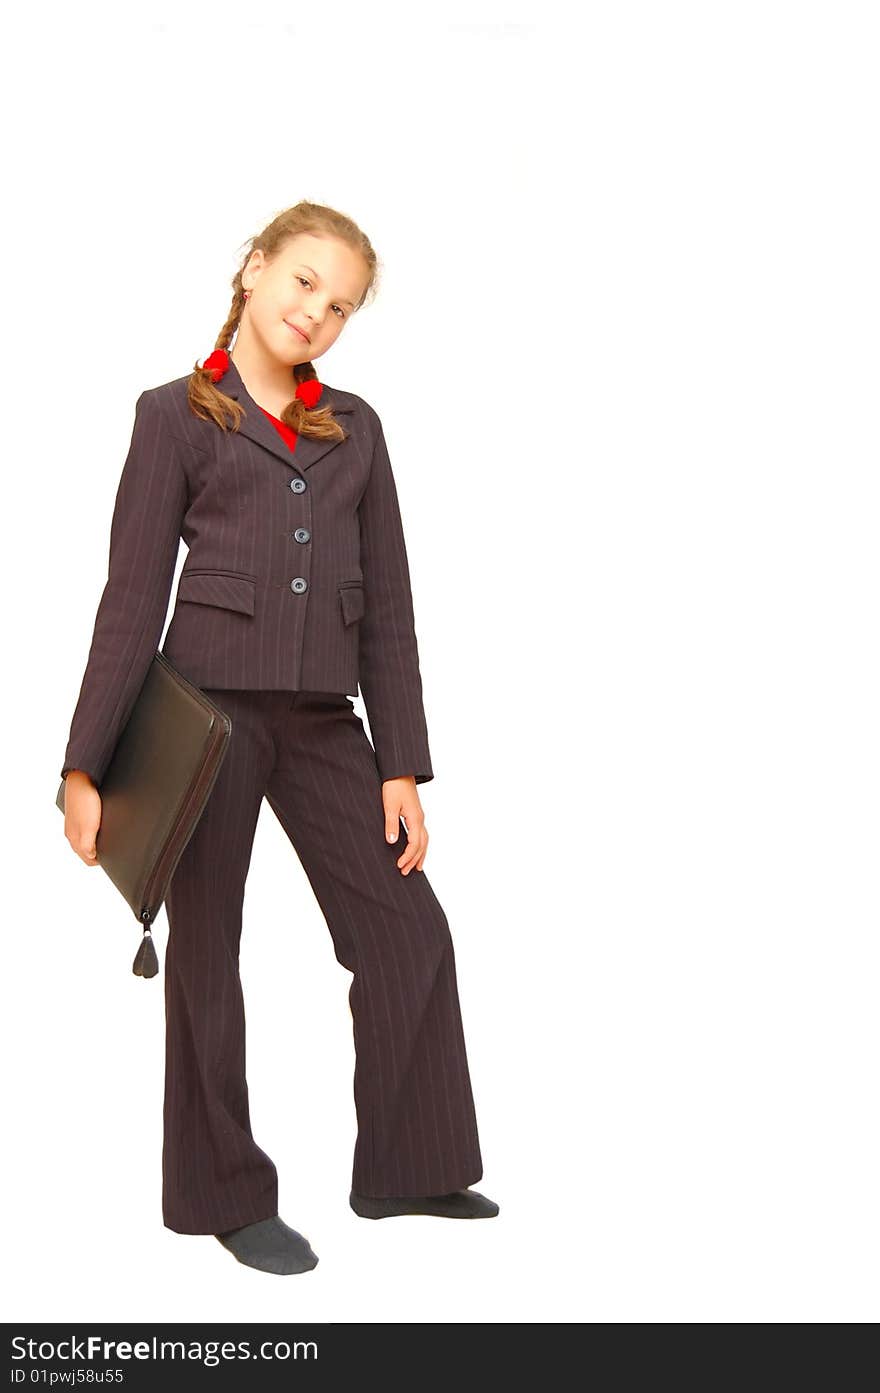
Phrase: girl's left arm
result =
(389, 658)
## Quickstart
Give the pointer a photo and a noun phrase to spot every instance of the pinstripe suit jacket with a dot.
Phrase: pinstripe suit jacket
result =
(296, 576)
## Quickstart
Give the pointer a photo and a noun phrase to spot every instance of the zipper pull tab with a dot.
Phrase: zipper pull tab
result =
(146, 961)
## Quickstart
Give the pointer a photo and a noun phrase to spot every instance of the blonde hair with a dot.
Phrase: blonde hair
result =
(206, 399)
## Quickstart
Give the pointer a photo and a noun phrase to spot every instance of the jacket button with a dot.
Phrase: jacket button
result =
(299, 584)
(302, 534)
(298, 485)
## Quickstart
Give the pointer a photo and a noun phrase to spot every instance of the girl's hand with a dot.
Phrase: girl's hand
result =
(82, 815)
(402, 800)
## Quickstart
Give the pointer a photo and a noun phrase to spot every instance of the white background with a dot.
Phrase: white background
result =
(625, 350)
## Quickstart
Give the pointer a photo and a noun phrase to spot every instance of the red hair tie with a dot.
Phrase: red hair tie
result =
(309, 391)
(217, 363)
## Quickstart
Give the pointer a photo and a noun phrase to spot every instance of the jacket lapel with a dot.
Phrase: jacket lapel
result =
(257, 426)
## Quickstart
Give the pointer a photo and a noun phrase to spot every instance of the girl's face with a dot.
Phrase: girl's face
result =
(313, 285)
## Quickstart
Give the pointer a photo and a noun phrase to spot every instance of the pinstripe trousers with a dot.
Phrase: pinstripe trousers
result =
(309, 755)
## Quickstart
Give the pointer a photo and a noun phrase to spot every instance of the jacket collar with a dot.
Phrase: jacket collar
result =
(257, 426)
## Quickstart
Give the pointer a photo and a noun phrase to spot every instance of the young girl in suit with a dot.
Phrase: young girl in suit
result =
(295, 593)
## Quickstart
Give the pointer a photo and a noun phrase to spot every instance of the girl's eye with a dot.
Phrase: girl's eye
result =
(306, 281)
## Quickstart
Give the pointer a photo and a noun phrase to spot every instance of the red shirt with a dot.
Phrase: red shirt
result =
(284, 431)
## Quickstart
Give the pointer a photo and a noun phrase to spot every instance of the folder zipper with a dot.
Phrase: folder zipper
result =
(146, 959)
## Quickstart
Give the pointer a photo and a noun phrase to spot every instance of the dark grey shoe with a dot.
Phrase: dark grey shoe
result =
(460, 1204)
(270, 1245)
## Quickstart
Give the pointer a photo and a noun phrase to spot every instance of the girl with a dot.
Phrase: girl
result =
(294, 593)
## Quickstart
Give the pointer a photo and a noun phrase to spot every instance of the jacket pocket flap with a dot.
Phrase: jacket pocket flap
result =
(218, 588)
(352, 598)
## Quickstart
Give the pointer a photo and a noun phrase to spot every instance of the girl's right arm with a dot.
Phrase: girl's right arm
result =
(145, 532)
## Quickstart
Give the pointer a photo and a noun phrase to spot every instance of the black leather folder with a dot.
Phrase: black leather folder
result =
(154, 791)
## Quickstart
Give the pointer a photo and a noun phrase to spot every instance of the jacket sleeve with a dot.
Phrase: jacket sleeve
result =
(389, 660)
(144, 542)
